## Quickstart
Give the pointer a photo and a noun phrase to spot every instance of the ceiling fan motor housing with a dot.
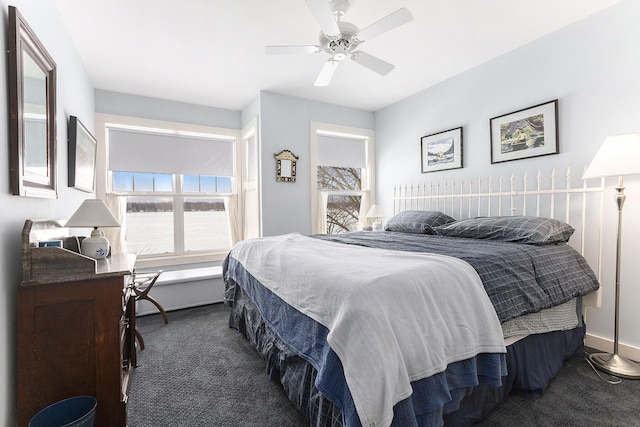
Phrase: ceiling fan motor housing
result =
(340, 48)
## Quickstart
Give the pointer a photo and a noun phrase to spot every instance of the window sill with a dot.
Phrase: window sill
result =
(189, 275)
(166, 261)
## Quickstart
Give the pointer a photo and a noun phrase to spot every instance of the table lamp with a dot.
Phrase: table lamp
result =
(93, 213)
(377, 213)
(619, 155)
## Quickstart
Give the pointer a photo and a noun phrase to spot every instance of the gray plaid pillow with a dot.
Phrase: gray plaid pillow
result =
(521, 229)
(419, 222)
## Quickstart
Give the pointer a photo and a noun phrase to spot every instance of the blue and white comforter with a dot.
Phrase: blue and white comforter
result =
(393, 317)
(518, 278)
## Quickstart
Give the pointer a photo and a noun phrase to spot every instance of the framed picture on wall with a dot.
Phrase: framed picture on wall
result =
(442, 150)
(82, 156)
(530, 132)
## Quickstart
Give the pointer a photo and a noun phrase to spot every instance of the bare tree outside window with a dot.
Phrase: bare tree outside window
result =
(342, 210)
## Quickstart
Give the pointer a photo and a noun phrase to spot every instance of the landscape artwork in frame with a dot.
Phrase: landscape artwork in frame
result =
(530, 132)
(442, 150)
(81, 156)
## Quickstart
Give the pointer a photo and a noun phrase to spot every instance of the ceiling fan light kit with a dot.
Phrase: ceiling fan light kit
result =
(341, 39)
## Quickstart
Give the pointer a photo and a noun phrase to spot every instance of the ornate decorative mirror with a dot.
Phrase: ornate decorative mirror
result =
(32, 112)
(286, 166)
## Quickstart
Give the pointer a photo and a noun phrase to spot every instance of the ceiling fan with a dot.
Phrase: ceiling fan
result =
(340, 39)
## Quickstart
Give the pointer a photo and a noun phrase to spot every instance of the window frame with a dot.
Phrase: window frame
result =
(105, 122)
(178, 197)
(367, 192)
(250, 198)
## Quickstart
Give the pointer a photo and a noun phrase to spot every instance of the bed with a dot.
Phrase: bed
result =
(432, 322)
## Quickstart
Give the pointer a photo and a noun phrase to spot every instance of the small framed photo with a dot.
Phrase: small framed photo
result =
(82, 156)
(530, 132)
(442, 150)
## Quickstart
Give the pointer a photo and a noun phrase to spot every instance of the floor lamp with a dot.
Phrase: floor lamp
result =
(619, 155)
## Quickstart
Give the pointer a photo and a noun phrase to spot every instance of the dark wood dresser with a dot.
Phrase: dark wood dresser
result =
(75, 328)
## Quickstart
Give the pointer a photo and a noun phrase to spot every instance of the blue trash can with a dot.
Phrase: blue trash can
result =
(76, 411)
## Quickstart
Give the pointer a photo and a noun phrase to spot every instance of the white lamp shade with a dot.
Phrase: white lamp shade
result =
(618, 155)
(375, 212)
(92, 213)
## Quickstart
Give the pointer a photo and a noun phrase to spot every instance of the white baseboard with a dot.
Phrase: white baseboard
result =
(606, 345)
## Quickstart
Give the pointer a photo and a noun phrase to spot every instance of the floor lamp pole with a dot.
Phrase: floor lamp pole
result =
(615, 364)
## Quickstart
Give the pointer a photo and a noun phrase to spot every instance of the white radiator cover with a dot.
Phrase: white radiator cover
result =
(180, 289)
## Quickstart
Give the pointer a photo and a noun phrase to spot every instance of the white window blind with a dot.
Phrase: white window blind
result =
(341, 152)
(143, 151)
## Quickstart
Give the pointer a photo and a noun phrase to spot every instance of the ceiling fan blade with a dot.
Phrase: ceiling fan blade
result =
(286, 50)
(326, 74)
(321, 11)
(388, 23)
(371, 62)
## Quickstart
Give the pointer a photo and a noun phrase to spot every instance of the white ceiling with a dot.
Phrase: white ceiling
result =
(211, 52)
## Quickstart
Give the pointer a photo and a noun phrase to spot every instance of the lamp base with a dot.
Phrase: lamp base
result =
(377, 225)
(96, 246)
(617, 365)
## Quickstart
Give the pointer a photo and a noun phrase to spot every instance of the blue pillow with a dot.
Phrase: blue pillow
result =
(521, 229)
(419, 222)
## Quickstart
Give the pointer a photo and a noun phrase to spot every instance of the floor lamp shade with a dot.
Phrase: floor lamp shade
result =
(619, 155)
(93, 213)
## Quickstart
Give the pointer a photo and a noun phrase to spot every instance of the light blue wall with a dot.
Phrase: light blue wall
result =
(285, 124)
(592, 67)
(74, 97)
(251, 111)
(159, 109)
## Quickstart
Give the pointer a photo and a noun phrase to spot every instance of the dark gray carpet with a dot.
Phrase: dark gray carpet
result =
(195, 371)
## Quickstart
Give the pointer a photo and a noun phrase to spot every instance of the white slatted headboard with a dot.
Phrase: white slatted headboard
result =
(580, 205)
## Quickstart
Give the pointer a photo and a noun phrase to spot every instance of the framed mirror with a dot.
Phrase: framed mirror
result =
(32, 112)
(286, 166)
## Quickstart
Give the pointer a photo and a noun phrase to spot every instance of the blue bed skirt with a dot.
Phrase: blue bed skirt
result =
(531, 363)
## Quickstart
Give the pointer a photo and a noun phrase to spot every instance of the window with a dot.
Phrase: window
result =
(344, 198)
(342, 173)
(252, 225)
(180, 187)
(169, 213)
